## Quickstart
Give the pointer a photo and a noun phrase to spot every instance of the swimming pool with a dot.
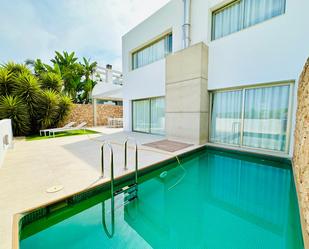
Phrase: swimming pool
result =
(214, 200)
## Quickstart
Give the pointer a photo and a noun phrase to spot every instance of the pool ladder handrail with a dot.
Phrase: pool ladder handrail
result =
(111, 234)
(125, 160)
(108, 233)
(126, 157)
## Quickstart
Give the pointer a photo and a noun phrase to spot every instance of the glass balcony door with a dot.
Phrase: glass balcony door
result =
(256, 117)
(149, 115)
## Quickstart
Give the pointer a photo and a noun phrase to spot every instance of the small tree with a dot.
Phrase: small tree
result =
(31, 101)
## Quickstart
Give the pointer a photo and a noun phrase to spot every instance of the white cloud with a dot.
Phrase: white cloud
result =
(35, 29)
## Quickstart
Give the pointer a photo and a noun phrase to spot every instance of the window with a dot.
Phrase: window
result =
(149, 115)
(242, 14)
(153, 52)
(252, 117)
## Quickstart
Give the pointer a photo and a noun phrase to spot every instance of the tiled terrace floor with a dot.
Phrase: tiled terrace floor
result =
(31, 167)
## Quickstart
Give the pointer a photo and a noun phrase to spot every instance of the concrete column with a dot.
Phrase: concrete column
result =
(187, 100)
(94, 104)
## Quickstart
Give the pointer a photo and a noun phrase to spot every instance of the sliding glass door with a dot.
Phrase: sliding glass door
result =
(266, 117)
(141, 115)
(157, 125)
(149, 115)
(255, 117)
(226, 117)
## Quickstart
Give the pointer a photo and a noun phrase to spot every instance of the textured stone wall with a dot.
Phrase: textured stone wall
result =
(301, 146)
(81, 113)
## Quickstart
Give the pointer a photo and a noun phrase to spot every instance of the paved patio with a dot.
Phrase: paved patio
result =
(31, 167)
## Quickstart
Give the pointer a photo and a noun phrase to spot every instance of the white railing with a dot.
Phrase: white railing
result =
(109, 75)
(6, 137)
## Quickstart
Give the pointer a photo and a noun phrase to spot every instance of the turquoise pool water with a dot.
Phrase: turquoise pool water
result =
(214, 200)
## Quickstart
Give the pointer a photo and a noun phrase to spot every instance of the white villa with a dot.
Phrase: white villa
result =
(216, 71)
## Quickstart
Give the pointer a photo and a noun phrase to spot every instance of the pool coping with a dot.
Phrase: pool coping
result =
(17, 218)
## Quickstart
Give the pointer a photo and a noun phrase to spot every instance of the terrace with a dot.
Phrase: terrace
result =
(32, 167)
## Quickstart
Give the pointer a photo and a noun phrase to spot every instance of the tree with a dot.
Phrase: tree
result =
(71, 72)
(31, 101)
(89, 70)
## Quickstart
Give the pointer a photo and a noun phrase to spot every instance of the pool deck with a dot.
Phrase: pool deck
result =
(31, 167)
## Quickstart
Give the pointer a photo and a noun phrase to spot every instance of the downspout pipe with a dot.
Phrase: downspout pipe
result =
(186, 27)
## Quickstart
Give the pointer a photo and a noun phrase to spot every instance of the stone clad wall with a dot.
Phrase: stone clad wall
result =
(81, 113)
(301, 148)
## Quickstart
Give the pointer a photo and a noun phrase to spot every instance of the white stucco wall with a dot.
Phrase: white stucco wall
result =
(5, 129)
(148, 81)
(271, 51)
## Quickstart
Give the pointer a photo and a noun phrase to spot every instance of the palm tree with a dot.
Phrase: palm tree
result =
(89, 70)
(71, 72)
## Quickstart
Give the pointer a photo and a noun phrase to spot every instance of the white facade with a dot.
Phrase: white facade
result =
(271, 51)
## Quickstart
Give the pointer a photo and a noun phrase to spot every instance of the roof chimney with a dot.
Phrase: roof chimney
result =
(109, 73)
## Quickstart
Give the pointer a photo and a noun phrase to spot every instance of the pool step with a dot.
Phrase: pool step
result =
(129, 191)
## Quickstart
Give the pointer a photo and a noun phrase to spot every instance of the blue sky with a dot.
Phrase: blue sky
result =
(92, 28)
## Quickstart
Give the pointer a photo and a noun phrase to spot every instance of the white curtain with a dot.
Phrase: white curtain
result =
(149, 115)
(257, 11)
(153, 52)
(244, 13)
(141, 115)
(158, 116)
(227, 20)
(226, 117)
(265, 117)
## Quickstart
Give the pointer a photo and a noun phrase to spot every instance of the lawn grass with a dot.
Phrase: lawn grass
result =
(60, 134)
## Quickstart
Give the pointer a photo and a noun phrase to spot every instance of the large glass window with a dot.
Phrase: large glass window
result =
(265, 117)
(226, 118)
(252, 117)
(153, 52)
(141, 115)
(149, 115)
(157, 125)
(241, 14)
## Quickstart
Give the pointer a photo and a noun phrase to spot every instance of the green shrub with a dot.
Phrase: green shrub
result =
(28, 89)
(48, 108)
(14, 109)
(31, 102)
(6, 82)
(65, 105)
(51, 81)
(16, 68)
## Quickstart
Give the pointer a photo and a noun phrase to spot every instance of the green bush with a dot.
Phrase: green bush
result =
(51, 81)
(65, 105)
(28, 89)
(6, 82)
(31, 101)
(48, 109)
(13, 108)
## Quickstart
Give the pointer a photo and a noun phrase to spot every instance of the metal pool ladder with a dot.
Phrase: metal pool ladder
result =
(129, 191)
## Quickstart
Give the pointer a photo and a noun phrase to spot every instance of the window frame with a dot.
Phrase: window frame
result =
(242, 24)
(147, 45)
(290, 83)
(132, 115)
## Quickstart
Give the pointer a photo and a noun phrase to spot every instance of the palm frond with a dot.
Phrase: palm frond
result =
(14, 109)
(27, 88)
(51, 81)
(6, 82)
(48, 108)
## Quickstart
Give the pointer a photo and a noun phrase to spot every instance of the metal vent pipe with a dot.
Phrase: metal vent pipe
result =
(186, 23)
